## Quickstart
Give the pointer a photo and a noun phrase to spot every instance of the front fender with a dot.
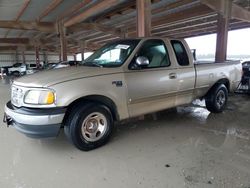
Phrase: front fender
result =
(70, 91)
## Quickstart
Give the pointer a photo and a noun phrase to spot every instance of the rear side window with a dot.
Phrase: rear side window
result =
(180, 53)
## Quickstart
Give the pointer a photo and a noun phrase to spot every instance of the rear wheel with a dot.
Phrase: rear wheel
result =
(216, 99)
(89, 126)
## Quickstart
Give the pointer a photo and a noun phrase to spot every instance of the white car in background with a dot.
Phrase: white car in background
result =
(18, 69)
(61, 65)
(31, 68)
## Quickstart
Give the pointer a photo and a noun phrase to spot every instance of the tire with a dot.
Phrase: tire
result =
(89, 126)
(216, 99)
(16, 73)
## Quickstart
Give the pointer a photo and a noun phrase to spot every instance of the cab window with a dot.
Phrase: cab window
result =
(155, 51)
(180, 53)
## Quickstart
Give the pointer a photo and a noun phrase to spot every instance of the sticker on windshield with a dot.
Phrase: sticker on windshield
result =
(122, 46)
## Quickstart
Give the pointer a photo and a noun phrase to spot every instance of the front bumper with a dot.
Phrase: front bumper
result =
(35, 123)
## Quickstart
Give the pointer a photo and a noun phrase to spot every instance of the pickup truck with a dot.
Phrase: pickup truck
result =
(123, 79)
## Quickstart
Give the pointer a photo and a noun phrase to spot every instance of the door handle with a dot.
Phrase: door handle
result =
(172, 75)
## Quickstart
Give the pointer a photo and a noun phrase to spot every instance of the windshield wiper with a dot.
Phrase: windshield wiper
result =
(92, 64)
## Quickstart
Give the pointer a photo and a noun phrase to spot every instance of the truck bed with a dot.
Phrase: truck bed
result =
(208, 73)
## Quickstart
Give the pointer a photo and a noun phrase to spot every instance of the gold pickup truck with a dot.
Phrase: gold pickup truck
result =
(123, 79)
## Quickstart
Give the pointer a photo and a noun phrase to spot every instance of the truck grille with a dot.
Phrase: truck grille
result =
(17, 95)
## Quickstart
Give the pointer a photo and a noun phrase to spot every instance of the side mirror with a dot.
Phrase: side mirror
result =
(142, 61)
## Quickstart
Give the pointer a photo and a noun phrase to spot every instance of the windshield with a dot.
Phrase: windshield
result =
(17, 65)
(112, 54)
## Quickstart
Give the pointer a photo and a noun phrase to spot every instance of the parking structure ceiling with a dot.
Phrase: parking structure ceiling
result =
(29, 23)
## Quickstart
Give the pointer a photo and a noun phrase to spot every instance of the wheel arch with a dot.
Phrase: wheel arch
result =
(224, 81)
(100, 99)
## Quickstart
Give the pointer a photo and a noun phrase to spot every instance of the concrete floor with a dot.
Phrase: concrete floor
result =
(185, 148)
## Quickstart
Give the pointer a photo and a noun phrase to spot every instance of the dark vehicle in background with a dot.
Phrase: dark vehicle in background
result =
(246, 74)
(49, 66)
(4, 70)
(4, 66)
(244, 86)
(246, 64)
(74, 63)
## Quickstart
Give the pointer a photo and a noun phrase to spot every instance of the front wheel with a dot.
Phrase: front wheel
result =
(89, 126)
(16, 73)
(216, 99)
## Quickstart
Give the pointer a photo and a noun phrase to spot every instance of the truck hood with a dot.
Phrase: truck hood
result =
(51, 77)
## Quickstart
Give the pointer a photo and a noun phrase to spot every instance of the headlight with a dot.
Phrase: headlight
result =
(40, 97)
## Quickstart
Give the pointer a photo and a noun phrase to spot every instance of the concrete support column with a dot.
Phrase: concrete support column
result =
(45, 57)
(82, 45)
(60, 57)
(16, 56)
(222, 32)
(37, 57)
(23, 57)
(74, 57)
(63, 41)
(143, 18)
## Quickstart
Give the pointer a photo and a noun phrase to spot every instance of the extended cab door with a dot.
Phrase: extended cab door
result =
(185, 73)
(153, 87)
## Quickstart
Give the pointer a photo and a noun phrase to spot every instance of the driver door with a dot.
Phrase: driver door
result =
(153, 87)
